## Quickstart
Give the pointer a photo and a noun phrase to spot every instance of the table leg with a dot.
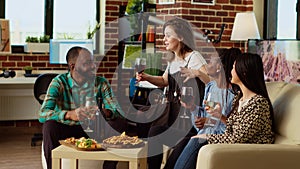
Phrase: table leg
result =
(73, 164)
(143, 163)
(133, 164)
(56, 163)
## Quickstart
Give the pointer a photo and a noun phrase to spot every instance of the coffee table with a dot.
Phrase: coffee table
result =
(137, 157)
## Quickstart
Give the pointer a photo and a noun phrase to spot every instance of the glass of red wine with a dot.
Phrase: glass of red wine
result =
(137, 64)
(187, 98)
(140, 66)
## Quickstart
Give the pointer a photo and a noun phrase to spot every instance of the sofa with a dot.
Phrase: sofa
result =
(283, 154)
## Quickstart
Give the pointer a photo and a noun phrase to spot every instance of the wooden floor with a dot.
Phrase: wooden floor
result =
(16, 151)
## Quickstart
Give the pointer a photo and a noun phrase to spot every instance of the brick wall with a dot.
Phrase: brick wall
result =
(203, 16)
(37, 61)
(209, 17)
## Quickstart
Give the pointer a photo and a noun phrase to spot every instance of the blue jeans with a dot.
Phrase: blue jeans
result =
(188, 157)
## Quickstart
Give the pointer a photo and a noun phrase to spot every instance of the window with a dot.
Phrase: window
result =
(27, 23)
(72, 18)
(286, 19)
(280, 19)
(61, 19)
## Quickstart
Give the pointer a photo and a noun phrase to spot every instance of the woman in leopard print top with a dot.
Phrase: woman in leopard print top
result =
(252, 124)
(251, 117)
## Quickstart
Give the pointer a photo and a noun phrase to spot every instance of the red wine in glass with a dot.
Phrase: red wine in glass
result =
(186, 97)
(142, 66)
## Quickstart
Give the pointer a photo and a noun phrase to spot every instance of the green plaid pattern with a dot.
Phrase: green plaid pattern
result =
(64, 94)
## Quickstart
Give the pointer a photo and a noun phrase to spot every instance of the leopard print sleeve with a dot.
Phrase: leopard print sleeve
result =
(251, 125)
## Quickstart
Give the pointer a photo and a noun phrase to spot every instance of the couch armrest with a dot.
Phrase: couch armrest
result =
(249, 156)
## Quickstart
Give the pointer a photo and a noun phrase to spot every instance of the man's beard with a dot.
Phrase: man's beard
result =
(87, 75)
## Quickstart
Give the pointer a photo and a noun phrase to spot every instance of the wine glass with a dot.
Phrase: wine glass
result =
(187, 98)
(140, 66)
(137, 64)
(143, 64)
(210, 105)
(92, 108)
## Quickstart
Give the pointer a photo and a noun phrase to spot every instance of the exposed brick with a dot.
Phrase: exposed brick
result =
(38, 64)
(236, 1)
(223, 13)
(8, 64)
(108, 65)
(232, 14)
(208, 13)
(43, 58)
(228, 20)
(30, 58)
(103, 70)
(194, 11)
(222, 1)
(191, 18)
(113, 59)
(228, 7)
(208, 25)
(215, 7)
(201, 18)
(248, 2)
(22, 64)
(15, 58)
(240, 8)
(112, 8)
(52, 65)
(215, 19)
(3, 58)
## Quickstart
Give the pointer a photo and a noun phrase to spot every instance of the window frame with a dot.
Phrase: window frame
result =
(48, 20)
(270, 19)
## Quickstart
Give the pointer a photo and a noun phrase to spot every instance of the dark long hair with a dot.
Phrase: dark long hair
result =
(249, 69)
(184, 30)
(228, 57)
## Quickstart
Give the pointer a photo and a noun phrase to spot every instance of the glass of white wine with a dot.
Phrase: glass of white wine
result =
(210, 105)
(92, 108)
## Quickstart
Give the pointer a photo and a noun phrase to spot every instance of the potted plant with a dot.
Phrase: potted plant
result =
(37, 44)
(28, 69)
(90, 34)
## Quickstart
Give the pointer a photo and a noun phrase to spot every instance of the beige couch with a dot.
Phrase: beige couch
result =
(284, 154)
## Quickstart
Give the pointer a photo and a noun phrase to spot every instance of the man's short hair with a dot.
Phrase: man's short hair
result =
(74, 52)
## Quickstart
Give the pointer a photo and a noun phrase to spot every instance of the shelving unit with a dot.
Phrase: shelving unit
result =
(138, 38)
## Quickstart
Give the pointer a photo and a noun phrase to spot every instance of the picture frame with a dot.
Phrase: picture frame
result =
(5, 46)
(203, 2)
(281, 59)
(166, 1)
(131, 52)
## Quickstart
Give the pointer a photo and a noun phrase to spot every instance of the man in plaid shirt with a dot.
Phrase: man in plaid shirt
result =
(64, 106)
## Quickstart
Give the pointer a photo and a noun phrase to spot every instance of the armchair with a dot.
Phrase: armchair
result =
(284, 153)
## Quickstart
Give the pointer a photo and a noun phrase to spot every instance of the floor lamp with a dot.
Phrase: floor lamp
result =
(244, 28)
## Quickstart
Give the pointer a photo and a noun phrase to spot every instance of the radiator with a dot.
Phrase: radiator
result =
(18, 104)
